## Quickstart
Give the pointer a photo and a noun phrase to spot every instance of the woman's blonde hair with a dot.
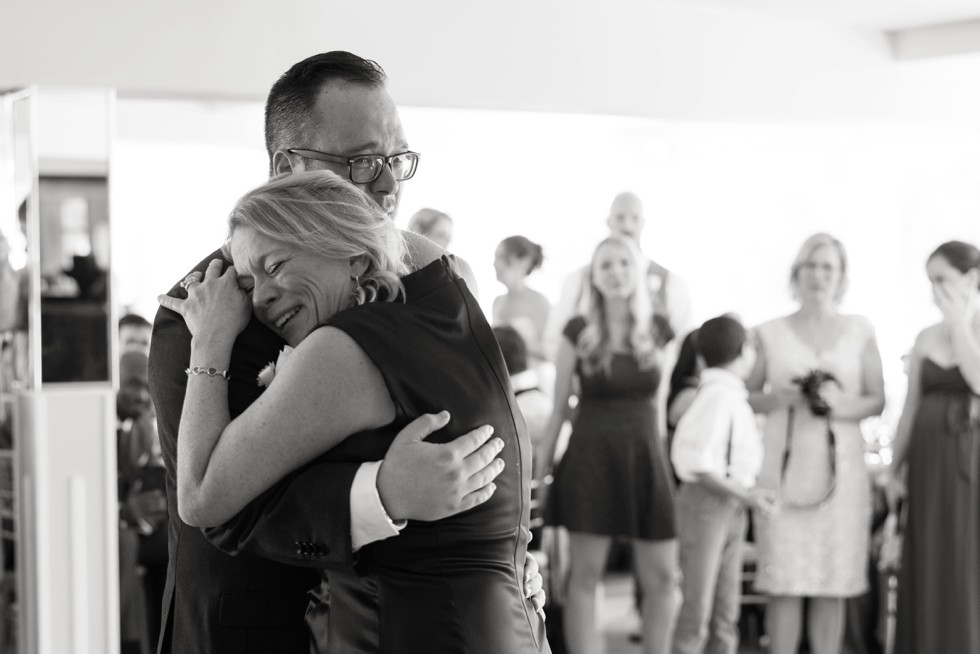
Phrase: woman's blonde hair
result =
(321, 213)
(594, 344)
(810, 246)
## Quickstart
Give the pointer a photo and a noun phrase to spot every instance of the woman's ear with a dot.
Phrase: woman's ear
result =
(358, 265)
(973, 278)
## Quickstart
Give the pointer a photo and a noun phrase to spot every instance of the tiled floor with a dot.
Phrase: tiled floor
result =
(618, 618)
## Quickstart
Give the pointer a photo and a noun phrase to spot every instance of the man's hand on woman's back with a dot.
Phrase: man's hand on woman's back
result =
(430, 481)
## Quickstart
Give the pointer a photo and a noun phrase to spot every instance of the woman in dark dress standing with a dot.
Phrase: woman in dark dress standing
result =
(938, 442)
(373, 351)
(613, 479)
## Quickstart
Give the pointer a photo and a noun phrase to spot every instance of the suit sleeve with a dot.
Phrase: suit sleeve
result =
(308, 511)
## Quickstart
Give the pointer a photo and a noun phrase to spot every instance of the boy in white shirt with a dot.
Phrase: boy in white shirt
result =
(717, 453)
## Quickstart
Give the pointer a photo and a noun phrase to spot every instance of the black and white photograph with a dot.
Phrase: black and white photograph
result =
(624, 327)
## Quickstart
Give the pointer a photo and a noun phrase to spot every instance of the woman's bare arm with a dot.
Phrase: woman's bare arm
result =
(329, 390)
(564, 376)
(870, 401)
(903, 431)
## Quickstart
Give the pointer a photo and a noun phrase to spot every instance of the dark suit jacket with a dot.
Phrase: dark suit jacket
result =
(242, 587)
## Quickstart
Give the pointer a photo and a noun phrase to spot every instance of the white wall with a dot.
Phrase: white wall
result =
(727, 203)
(625, 57)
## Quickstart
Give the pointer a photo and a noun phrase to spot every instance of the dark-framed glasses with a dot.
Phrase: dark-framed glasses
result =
(365, 168)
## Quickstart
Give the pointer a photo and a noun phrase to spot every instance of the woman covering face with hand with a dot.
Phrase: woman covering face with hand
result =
(937, 445)
(320, 265)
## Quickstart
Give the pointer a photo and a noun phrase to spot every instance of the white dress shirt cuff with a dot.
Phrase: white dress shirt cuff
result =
(369, 522)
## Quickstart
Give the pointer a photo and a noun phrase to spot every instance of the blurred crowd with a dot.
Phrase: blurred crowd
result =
(730, 460)
(726, 460)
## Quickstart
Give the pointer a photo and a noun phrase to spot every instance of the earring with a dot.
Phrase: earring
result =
(357, 294)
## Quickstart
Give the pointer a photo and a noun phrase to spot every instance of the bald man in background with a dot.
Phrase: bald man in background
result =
(668, 292)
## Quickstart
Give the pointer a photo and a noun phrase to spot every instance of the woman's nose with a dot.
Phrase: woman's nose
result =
(263, 294)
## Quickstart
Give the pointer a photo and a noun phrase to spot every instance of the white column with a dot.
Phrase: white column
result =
(68, 544)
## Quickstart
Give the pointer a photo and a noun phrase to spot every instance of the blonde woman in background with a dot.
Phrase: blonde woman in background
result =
(816, 547)
(613, 480)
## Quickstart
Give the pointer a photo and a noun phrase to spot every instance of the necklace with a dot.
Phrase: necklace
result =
(819, 336)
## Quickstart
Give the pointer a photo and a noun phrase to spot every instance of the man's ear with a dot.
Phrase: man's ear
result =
(282, 163)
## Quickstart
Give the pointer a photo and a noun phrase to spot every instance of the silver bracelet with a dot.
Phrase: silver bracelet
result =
(210, 372)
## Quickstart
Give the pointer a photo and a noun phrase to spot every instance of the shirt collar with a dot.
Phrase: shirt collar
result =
(722, 376)
(523, 381)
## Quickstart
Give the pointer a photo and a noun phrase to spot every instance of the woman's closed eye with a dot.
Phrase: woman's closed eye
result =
(274, 267)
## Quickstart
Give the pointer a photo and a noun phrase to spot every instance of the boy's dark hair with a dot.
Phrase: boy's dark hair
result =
(134, 320)
(289, 107)
(720, 341)
(513, 347)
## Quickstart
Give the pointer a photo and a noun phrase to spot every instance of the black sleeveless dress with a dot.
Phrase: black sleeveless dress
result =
(939, 579)
(613, 479)
(455, 585)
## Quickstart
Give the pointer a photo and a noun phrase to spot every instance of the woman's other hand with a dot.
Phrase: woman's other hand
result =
(894, 487)
(957, 308)
(215, 308)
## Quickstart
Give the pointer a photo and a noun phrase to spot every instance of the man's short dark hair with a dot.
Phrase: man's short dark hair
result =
(720, 341)
(513, 347)
(133, 320)
(288, 109)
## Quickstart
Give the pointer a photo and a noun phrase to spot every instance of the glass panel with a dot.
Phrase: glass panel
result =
(73, 205)
(17, 205)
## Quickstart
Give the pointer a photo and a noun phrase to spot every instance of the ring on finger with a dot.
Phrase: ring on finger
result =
(185, 284)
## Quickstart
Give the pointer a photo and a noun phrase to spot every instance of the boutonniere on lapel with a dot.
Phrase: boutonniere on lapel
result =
(267, 374)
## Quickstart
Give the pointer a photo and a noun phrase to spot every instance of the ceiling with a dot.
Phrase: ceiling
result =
(884, 15)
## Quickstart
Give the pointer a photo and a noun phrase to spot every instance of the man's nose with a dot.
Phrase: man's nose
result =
(386, 182)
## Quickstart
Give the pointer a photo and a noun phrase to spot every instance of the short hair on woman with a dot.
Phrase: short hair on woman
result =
(720, 341)
(959, 254)
(425, 220)
(321, 213)
(522, 247)
(513, 347)
(289, 107)
(810, 246)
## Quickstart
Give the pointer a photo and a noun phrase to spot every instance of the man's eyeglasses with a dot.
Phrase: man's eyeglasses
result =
(365, 168)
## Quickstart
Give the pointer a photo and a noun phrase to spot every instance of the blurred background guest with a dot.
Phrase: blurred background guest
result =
(534, 402)
(522, 307)
(668, 293)
(717, 453)
(938, 440)
(134, 333)
(434, 225)
(684, 380)
(818, 374)
(613, 480)
(142, 507)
